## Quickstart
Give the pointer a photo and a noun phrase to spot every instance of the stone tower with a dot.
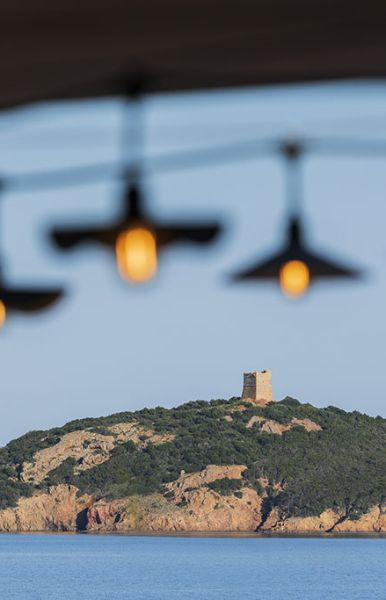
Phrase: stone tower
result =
(257, 387)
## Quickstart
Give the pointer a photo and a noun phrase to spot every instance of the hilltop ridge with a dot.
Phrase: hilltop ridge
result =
(223, 465)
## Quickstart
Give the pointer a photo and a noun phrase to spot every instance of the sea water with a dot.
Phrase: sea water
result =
(88, 567)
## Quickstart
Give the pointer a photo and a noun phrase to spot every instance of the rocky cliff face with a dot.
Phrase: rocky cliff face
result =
(188, 505)
(87, 448)
(193, 507)
(58, 509)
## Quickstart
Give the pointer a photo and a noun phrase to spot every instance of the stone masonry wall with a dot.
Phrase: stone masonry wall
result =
(258, 387)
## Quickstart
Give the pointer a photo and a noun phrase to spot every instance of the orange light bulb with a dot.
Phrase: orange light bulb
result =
(3, 313)
(136, 253)
(294, 278)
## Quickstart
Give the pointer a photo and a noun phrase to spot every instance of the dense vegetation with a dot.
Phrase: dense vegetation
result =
(343, 465)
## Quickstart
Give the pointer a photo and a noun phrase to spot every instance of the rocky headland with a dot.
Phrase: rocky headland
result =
(222, 466)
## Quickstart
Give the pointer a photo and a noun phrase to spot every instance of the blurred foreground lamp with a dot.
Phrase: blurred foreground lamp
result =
(25, 300)
(135, 238)
(295, 266)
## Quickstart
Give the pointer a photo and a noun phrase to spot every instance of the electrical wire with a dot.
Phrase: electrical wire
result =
(203, 157)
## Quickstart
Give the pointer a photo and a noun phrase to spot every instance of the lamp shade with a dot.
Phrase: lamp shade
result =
(295, 249)
(28, 300)
(134, 215)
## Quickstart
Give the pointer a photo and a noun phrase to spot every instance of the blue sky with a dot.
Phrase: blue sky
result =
(189, 335)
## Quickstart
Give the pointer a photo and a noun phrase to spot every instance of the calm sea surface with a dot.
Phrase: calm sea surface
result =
(65, 567)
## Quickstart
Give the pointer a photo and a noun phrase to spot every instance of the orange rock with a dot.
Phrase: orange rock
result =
(59, 509)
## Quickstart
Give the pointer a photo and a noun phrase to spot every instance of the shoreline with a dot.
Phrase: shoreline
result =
(208, 534)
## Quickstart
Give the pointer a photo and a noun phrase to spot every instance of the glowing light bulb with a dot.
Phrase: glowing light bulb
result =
(294, 278)
(136, 252)
(3, 313)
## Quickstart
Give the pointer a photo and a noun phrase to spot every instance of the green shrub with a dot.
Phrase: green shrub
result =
(225, 486)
